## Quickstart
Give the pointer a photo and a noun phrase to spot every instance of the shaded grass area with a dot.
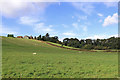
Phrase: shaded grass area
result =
(53, 62)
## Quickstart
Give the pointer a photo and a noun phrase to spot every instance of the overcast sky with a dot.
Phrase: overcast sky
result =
(62, 19)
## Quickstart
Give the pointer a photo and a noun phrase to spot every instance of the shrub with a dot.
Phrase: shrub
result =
(100, 48)
(10, 35)
(88, 46)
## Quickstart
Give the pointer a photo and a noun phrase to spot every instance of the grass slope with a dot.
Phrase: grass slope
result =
(54, 62)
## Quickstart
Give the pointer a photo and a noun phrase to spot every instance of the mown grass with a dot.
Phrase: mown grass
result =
(53, 62)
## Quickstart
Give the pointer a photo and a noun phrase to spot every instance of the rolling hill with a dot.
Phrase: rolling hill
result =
(49, 61)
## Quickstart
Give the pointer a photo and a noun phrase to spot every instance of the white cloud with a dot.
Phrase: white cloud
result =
(87, 8)
(111, 20)
(27, 20)
(111, 4)
(6, 30)
(81, 18)
(103, 36)
(41, 27)
(99, 14)
(75, 25)
(69, 34)
(100, 36)
(16, 8)
(61, 39)
(65, 26)
(84, 28)
(13, 8)
(37, 27)
(67, 0)
(97, 37)
(115, 35)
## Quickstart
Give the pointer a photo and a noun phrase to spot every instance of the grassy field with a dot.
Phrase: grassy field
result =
(53, 62)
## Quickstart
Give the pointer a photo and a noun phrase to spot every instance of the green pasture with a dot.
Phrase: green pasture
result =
(49, 61)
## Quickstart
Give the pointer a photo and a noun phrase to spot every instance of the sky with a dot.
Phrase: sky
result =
(80, 20)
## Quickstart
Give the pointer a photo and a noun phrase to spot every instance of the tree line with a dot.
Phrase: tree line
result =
(98, 44)
(48, 38)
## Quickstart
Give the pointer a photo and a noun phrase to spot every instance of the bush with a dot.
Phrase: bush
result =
(100, 48)
(59, 42)
(10, 35)
(88, 46)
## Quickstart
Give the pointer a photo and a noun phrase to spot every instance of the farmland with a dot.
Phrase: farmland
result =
(18, 60)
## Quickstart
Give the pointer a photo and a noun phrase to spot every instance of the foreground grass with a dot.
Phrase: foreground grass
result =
(54, 62)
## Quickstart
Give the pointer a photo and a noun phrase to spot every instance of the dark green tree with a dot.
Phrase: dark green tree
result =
(35, 37)
(43, 38)
(39, 37)
(88, 41)
(65, 41)
(47, 35)
(10, 35)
